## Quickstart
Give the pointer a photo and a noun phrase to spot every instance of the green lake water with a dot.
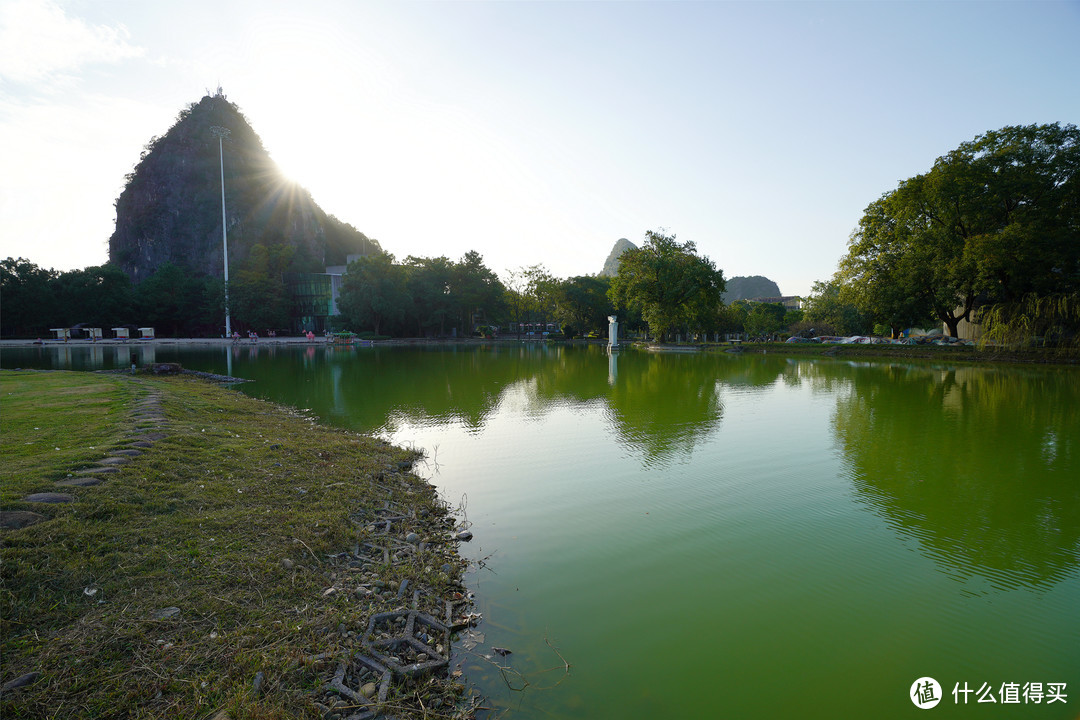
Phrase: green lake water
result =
(717, 535)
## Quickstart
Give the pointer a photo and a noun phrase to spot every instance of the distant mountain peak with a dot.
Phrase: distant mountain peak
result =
(754, 286)
(611, 265)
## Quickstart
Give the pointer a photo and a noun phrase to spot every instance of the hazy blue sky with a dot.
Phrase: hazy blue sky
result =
(533, 132)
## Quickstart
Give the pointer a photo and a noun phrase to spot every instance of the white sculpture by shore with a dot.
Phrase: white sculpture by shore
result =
(613, 331)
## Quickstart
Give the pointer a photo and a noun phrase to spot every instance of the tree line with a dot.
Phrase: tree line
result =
(173, 301)
(663, 288)
(991, 234)
(425, 296)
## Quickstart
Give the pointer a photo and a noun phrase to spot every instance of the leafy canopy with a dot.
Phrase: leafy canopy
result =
(667, 282)
(992, 221)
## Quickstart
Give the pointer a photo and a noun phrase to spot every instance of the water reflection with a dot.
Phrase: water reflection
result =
(978, 465)
(380, 389)
(662, 406)
(78, 357)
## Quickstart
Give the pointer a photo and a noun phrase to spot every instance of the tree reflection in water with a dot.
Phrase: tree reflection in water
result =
(979, 465)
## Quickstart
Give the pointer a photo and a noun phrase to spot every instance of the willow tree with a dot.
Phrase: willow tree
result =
(667, 282)
(530, 294)
(1050, 320)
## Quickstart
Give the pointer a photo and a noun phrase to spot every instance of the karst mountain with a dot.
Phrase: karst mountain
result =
(170, 208)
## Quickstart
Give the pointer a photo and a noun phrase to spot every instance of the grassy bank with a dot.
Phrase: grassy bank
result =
(940, 353)
(216, 574)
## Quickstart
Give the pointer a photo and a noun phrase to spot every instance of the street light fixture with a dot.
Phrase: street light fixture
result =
(223, 132)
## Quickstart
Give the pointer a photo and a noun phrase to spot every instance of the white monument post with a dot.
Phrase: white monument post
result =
(613, 332)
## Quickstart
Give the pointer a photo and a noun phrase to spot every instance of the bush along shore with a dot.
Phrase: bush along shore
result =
(171, 548)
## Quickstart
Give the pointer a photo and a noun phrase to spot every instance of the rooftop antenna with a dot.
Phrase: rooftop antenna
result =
(222, 133)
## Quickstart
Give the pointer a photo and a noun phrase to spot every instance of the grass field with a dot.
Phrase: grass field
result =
(215, 555)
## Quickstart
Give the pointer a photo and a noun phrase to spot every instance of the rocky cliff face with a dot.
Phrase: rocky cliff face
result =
(170, 209)
(611, 265)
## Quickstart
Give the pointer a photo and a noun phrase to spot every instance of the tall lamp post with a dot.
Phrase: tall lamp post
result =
(222, 133)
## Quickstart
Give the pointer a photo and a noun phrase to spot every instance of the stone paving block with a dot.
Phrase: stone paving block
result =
(22, 681)
(115, 461)
(456, 615)
(385, 550)
(79, 482)
(384, 520)
(49, 497)
(148, 435)
(16, 519)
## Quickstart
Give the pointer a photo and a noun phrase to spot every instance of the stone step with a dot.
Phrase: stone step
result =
(48, 497)
(79, 482)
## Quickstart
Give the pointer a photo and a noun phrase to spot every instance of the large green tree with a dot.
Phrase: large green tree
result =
(477, 292)
(258, 297)
(887, 275)
(98, 296)
(582, 303)
(992, 221)
(828, 312)
(516, 298)
(177, 303)
(667, 282)
(765, 319)
(428, 284)
(731, 318)
(373, 292)
(542, 288)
